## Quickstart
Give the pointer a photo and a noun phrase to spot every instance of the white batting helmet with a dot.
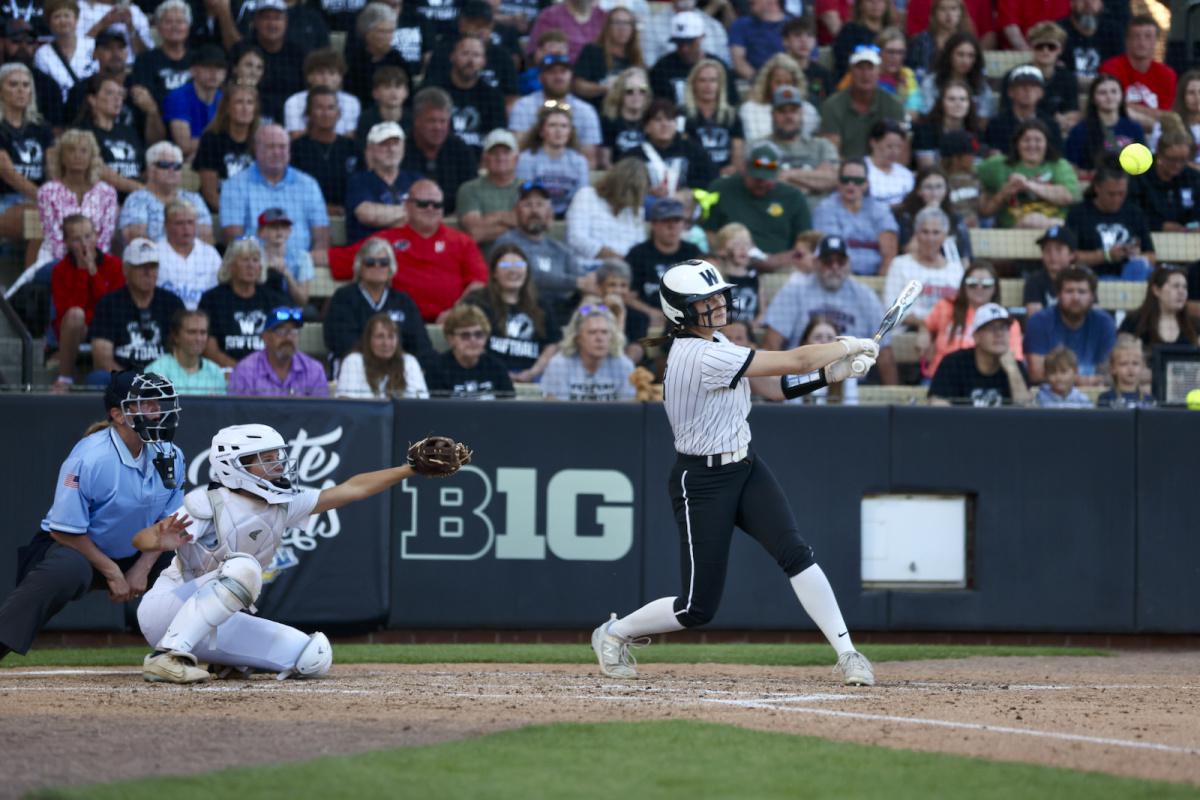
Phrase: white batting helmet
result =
(685, 283)
(233, 450)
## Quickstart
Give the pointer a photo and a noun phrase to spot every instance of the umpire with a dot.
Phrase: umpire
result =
(117, 481)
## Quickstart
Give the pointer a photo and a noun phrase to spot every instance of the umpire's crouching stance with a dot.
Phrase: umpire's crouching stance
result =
(717, 481)
(117, 481)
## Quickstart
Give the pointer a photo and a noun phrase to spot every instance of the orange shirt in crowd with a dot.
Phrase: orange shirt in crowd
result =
(941, 320)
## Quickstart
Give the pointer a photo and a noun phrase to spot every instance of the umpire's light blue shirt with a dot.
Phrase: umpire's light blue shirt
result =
(248, 194)
(107, 494)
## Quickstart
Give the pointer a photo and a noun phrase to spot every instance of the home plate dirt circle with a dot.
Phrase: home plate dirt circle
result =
(1135, 714)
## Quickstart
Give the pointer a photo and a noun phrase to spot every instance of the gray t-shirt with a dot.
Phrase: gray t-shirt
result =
(555, 269)
(566, 379)
(854, 309)
(861, 231)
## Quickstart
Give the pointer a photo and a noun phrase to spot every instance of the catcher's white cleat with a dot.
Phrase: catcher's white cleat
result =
(612, 651)
(173, 667)
(855, 669)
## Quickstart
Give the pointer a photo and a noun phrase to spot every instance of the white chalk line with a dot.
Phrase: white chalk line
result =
(971, 726)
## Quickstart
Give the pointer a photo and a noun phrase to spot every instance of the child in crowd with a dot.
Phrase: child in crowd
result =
(804, 252)
(733, 249)
(294, 279)
(1062, 368)
(389, 90)
(1126, 364)
(324, 68)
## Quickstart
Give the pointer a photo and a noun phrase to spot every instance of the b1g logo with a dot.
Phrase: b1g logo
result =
(588, 516)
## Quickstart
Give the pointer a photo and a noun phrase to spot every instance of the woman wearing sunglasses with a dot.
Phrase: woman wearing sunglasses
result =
(73, 166)
(524, 337)
(947, 327)
(468, 371)
(144, 213)
(621, 115)
(592, 364)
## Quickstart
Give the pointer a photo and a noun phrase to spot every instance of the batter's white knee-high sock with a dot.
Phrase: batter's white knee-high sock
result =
(816, 595)
(657, 616)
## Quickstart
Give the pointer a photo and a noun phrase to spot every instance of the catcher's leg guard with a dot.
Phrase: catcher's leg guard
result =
(237, 586)
(314, 660)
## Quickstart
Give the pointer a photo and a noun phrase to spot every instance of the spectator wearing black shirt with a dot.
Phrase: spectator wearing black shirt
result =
(1060, 97)
(371, 293)
(239, 304)
(23, 146)
(375, 195)
(374, 47)
(1026, 88)
(467, 371)
(1058, 246)
(322, 153)
(435, 152)
(138, 110)
(799, 42)
(19, 45)
(616, 49)
(674, 162)
(649, 260)
(1114, 238)
(1162, 318)
(621, 115)
(1092, 39)
(28, 12)
(389, 90)
(1106, 127)
(668, 77)
(524, 334)
(499, 71)
(478, 108)
(121, 147)
(1169, 193)
(987, 374)
(711, 121)
(130, 325)
(226, 148)
(953, 111)
(165, 68)
(283, 73)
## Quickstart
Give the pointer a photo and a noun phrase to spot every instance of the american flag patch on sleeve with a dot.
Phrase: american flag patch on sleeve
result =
(71, 481)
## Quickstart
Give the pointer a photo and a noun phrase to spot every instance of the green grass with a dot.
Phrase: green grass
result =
(644, 760)
(783, 655)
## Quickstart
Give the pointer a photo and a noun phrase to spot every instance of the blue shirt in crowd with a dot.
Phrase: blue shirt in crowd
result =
(105, 493)
(248, 194)
(760, 38)
(184, 104)
(1091, 342)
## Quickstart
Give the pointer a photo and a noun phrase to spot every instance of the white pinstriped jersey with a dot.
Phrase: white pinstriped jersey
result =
(707, 398)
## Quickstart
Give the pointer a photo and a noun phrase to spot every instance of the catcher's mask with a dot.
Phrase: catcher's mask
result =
(254, 458)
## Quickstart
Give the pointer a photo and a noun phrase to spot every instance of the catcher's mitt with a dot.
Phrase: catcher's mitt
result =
(438, 456)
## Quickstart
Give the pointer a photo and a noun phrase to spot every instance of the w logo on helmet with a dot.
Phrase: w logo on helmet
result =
(710, 277)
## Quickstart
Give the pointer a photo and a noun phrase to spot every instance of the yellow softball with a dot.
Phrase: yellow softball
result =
(1193, 399)
(1136, 158)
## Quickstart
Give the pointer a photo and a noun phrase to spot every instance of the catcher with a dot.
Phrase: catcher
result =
(223, 537)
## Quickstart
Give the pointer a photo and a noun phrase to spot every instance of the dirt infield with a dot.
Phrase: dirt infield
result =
(1135, 714)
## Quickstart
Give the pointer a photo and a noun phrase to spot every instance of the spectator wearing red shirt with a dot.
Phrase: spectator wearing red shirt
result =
(1014, 18)
(981, 12)
(1149, 84)
(436, 265)
(831, 16)
(77, 283)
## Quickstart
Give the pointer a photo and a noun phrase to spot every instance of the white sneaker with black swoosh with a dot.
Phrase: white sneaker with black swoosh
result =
(855, 669)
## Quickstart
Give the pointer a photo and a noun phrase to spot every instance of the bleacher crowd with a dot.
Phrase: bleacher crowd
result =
(477, 198)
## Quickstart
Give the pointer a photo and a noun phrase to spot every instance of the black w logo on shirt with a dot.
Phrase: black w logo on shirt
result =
(710, 277)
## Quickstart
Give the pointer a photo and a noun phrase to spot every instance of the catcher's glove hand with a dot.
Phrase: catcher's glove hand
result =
(438, 456)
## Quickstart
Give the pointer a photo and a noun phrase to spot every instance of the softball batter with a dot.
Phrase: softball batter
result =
(718, 482)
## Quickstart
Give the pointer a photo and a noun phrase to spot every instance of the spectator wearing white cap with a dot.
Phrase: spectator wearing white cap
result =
(129, 328)
(847, 116)
(668, 76)
(375, 196)
(487, 205)
(987, 374)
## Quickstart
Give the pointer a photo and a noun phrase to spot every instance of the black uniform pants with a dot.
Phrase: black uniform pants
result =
(708, 503)
(50, 575)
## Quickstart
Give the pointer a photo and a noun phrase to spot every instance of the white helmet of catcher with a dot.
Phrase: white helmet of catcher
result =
(238, 447)
(687, 282)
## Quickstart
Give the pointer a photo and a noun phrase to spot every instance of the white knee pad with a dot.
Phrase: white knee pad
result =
(240, 576)
(314, 660)
(237, 586)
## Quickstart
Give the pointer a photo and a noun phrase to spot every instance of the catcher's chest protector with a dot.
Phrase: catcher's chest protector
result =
(226, 522)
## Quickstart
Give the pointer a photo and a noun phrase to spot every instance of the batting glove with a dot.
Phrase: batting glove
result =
(843, 368)
(855, 346)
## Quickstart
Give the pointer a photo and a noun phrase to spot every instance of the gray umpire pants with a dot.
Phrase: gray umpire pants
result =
(49, 576)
